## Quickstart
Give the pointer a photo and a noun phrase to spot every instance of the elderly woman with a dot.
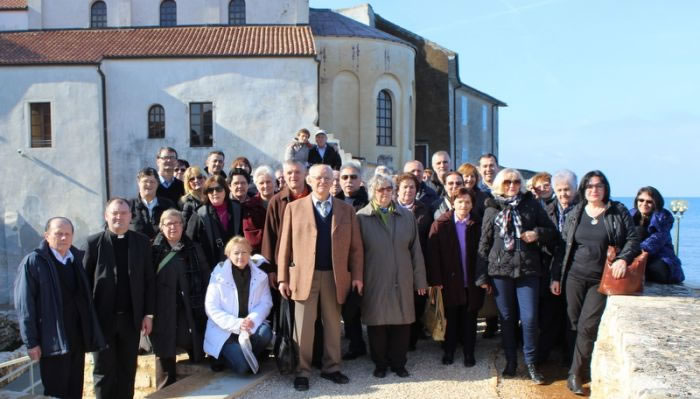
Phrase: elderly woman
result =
(654, 225)
(453, 182)
(264, 179)
(453, 245)
(514, 227)
(542, 188)
(408, 184)
(252, 209)
(594, 224)
(470, 175)
(216, 221)
(552, 308)
(394, 269)
(182, 275)
(194, 195)
(237, 302)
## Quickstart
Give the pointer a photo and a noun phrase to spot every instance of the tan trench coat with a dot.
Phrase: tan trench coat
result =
(394, 267)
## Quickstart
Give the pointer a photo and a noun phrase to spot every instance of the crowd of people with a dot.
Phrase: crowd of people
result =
(201, 260)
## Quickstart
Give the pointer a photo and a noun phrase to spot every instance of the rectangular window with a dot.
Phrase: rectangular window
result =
(41, 124)
(484, 117)
(465, 110)
(201, 125)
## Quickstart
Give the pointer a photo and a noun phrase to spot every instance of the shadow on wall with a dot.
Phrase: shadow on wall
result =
(59, 173)
(21, 233)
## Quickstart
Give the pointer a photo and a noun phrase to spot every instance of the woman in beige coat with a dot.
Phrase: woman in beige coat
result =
(394, 268)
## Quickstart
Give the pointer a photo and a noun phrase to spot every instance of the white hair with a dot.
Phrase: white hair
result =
(565, 176)
(263, 170)
(379, 181)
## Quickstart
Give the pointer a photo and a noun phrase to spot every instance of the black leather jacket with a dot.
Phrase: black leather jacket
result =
(621, 232)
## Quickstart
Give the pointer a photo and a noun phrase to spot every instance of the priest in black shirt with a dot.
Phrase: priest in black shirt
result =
(121, 275)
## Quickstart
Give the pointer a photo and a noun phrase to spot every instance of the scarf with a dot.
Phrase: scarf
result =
(508, 220)
(562, 214)
(383, 213)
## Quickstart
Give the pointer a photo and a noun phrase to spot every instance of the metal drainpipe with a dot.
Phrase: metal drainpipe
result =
(454, 122)
(104, 129)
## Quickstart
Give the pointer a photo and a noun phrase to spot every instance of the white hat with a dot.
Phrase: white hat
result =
(320, 131)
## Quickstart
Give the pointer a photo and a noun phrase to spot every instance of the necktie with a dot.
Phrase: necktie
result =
(322, 208)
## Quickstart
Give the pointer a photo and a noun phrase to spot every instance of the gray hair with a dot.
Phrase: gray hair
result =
(378, 181)
(289, 163)
(383, 170)
(321, 166)
(171, 213)
(263, 170)
(352, 165)
(440, 153)
(565, 176)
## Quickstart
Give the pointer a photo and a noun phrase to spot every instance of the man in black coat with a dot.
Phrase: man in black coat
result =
(170, 187)
(324, 153)
(146, 208)
(122, 280)
(425, 193)
(55, 312)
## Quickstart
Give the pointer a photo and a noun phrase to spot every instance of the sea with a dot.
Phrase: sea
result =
(689, 249)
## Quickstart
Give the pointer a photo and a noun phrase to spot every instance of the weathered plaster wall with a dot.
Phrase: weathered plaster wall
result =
(352, 72)
(66, 179)
(258, 105)
(277, 12)
(13, 20)
(473, 127)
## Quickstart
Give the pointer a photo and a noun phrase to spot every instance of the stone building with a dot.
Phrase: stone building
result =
(92, 88)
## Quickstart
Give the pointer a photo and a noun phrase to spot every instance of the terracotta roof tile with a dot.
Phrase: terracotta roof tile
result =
(13, 4)
(91, 45)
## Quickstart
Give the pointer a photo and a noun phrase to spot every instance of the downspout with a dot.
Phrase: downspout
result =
(454, 121)
(104, 130)
(318, 92)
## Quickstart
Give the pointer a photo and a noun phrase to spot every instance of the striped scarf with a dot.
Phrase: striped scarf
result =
(508, 220)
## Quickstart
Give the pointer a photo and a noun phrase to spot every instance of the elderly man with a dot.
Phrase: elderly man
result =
(355, 194)
(441, 165)
(122, 281)
(146, 208)
(215, 164)
(424, 194)
(488, 169)
(320, 277)
(169, 187)
(56, 316)
(323, 153)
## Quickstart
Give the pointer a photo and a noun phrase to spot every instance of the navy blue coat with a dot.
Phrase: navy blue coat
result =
(659, 244)
(39, 304)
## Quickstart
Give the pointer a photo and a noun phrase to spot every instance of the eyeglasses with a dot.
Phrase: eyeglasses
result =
(168, 157)
(351, 177)
(598, 186)
(643, 201)
(386, 189)
(218, 189)
(172, 224)
(193, 178)
(511, 182)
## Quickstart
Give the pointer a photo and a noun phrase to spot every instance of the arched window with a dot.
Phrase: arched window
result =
(384, 112)
(236, 12)
(98, 14)
(168, 13)
(156, 122)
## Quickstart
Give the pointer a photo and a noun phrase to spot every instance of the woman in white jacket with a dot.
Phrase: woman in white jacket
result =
(237, 302)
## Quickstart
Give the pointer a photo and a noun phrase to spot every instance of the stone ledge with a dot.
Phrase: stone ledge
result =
(649, 346)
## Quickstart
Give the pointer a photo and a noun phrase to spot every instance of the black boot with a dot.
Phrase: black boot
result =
(535, 375)
(574, 384)
(509, 371)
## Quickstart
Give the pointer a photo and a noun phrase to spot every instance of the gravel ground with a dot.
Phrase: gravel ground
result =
(429, 378)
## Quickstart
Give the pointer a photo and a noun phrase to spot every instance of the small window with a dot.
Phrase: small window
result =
(384, 112)
(168, 13)
(236, 12)
(156, 122)
(98, 15)
(201, 125)
(41, 124)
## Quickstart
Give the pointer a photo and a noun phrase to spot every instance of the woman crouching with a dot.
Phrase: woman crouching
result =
(238, 301)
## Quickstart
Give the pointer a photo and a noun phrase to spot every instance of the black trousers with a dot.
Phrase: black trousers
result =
(115, 366)
(585, 306)
(62, 375)
(461, 326)
(417, 326)
(388, 345)
(353, 331)
(165, 371)
(657, 271)
(553, 327)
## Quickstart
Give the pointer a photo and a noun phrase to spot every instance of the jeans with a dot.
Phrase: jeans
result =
(233, 354)
(512, 294)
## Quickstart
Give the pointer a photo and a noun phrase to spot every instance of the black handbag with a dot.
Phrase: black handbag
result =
(285, 351)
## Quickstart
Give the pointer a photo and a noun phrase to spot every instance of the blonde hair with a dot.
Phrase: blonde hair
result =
(170, 213)
(191, 172)
(497, 186)
(237, 240)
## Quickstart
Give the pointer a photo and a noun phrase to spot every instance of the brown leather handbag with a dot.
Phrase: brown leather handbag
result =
(632, 283)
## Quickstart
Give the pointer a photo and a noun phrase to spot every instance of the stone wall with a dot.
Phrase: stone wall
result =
(649, 346)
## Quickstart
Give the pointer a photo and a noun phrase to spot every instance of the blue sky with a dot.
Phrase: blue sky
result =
(594, 84)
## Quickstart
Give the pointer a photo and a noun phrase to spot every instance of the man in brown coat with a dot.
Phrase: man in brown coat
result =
(321, 274)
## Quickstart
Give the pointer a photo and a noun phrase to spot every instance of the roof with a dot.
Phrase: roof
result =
(325, 22)
(8, 5)
(90, 46)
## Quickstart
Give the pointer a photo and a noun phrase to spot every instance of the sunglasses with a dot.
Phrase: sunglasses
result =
(181, 170)
(595, 186)
(511, 182)
(193, 178)
(643, 201)
(351, 177)
(218, 189)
